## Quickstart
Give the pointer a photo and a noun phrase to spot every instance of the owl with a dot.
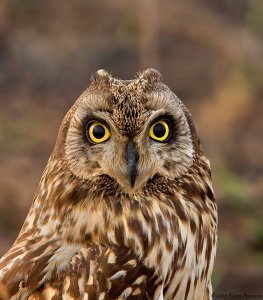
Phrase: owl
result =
(125, 208)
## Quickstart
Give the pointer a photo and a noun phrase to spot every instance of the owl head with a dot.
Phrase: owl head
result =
(129, 131)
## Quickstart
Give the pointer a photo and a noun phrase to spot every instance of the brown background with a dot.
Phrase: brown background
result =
(210, 52)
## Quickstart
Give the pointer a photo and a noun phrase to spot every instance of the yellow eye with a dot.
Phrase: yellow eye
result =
(160, 131)
(98, 132)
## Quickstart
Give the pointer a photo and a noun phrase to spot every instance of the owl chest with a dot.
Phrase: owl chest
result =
(182, 259)
(189, 274)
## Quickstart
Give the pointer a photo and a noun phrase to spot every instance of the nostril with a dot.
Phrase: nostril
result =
(132, 160)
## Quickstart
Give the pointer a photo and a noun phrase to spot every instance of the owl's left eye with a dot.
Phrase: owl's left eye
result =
(97, 132)
(160, 131)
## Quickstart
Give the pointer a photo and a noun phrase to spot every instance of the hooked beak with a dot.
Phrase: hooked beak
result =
(132, 160)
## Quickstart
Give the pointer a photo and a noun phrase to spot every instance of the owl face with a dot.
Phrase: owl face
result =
(130, 131)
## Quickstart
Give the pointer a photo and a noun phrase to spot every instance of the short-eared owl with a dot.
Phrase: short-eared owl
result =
(125, 208)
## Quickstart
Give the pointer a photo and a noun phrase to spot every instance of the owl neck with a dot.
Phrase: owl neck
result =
(69, 214)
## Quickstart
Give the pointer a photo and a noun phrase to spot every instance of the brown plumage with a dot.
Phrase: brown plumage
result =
(3, 292)
(125, 208)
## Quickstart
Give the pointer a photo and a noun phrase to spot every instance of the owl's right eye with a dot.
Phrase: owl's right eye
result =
(97, 132)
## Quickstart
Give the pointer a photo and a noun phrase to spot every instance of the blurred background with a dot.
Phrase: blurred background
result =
(210, 53)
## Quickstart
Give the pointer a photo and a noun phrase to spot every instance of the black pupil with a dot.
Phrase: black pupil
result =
(159, 130)
(98, 132)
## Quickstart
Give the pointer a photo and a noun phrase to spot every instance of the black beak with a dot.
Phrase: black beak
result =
(132, 160)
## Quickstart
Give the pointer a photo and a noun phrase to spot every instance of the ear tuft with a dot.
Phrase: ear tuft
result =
(100, 76)
(152, 75)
